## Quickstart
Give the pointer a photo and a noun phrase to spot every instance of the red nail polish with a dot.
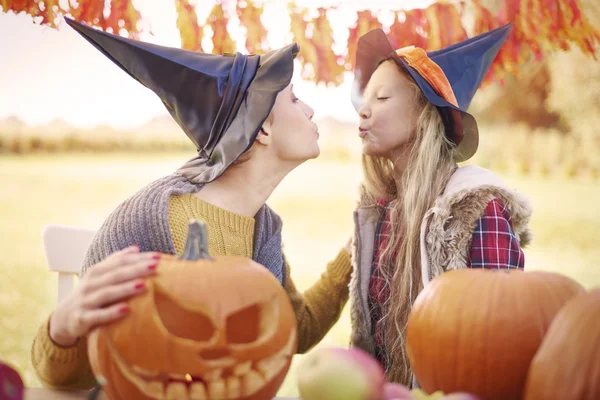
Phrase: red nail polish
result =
(152, 267)
(156, 257)
(124, 309)
(139, 286)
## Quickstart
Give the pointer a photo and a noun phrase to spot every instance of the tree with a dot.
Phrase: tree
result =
(540, 26)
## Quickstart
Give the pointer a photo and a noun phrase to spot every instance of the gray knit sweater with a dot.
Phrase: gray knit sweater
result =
(143, 220)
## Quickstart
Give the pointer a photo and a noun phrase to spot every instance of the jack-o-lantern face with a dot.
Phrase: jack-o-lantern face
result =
(206, 329)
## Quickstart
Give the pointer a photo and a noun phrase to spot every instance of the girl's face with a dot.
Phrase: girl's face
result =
(388, 114)
(293, 133)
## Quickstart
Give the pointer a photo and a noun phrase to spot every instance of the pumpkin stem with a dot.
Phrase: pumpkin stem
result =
(196, 244)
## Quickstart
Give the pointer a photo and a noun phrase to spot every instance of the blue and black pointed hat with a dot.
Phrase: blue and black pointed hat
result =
(220, 101)
(448, 77)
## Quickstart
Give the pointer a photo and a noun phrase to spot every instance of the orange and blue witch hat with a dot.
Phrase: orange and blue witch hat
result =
(220, 101)
(448, 77)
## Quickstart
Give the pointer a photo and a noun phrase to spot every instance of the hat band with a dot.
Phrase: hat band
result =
(417, 59)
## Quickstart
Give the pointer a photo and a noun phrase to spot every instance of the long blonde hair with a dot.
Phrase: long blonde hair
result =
(430, 164)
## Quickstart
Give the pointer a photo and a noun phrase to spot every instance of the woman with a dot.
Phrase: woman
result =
(419, 213)
(250, 131)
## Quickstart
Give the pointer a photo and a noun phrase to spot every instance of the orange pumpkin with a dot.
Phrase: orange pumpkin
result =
(476, 331)
(567, 364)
(221, 328)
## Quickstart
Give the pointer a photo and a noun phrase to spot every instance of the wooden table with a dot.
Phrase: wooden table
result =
(50, 394)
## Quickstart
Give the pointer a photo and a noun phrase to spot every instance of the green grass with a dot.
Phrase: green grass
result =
(315, 202)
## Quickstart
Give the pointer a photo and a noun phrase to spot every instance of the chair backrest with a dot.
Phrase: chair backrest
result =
(66, 247)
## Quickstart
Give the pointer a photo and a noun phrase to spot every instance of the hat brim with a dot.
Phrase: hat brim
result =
(373, 48)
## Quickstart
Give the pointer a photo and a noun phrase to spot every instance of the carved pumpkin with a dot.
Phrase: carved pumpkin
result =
(567, 364)
(221, 328)
(476, 331)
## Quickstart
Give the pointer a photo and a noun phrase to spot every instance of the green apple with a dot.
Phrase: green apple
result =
(340, 374)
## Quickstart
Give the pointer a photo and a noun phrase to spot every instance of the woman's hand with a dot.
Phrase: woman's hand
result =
(101, 296)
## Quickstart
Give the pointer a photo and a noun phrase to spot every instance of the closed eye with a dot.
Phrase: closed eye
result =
(382, 98)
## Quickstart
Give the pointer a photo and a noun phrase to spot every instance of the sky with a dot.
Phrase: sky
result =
(48, 74)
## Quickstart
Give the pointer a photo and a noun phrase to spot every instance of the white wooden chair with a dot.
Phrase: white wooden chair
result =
(65, 248)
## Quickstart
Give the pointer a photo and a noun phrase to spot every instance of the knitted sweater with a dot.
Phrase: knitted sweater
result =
(317, 309)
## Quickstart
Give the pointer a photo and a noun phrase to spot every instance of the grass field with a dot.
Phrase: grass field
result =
(315, 202)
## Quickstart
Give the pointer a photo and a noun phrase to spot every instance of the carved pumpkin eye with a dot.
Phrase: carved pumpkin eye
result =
(253, 323)
(182, 322)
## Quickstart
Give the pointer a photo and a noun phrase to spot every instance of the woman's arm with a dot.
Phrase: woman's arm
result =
(60, 367)
(495, 244)
(59, 350)
(320, 306)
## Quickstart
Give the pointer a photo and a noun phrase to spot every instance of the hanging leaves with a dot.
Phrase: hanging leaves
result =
(123, 15)
(539, 26)
(444, 26)
(187, 22)
(256, 36)
(91, 12)
(51, 9)
(315, 38)
(298, 26)
(409, 29)
(217, 20)
(330, 67)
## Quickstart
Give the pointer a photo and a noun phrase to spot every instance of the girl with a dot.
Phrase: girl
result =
(251, 131)
(419, 213)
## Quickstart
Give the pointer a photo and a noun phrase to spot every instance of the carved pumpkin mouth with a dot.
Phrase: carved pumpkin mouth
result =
(243, 379)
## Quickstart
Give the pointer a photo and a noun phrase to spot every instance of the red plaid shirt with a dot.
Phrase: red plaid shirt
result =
(494, 245)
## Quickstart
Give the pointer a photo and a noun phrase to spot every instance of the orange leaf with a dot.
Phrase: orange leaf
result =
(298, 27)
(217, 20)
(256, 37)
(187, 22)
(123, 15)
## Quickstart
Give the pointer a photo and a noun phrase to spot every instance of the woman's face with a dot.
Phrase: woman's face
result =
(388, 114)
(293, 133)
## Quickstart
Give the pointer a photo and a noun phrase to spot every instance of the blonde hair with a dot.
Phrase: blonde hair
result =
(430, 164)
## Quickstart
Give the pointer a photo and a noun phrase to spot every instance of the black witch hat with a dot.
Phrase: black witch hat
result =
(220, 101)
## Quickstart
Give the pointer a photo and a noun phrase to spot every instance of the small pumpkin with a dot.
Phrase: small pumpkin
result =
(567, 364)
(207, 328)
(476, 331)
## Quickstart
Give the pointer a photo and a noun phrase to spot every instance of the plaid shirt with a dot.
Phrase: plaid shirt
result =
(494, 245)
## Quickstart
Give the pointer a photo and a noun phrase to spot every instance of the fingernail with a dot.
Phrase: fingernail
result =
(139, 286)
(152, 267)
(136, 246)
(123, 309)
(156, 257)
